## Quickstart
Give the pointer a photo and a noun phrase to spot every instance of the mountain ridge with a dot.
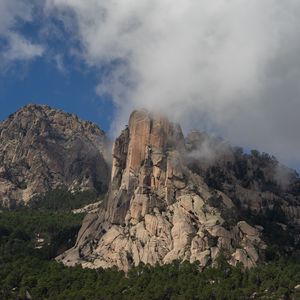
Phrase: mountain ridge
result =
(162, 207)
(169, 196)
(43, 149)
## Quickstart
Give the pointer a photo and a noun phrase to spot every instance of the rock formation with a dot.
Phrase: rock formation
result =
(43, 149)
(168, 200)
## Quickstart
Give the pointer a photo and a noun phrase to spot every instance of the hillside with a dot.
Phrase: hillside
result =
(43, 149)
(173, 198)
(185, 217)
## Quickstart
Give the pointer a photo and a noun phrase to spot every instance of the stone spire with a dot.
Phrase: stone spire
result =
(157, 210)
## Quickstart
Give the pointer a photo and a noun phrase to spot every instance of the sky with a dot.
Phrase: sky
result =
(229, 67)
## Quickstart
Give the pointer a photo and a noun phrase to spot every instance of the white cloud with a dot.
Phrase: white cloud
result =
(59, 61)
(21, 49)
(17, 47)
(231, 66)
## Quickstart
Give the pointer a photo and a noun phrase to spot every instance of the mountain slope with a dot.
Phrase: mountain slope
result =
(43, 149)
(172, 198)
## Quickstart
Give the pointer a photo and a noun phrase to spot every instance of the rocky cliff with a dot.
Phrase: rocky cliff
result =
(176, 198)
(43, 149)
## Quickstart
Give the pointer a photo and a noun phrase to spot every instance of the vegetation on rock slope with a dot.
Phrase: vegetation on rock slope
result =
(64, 201)
(31, 237)
(26, 270)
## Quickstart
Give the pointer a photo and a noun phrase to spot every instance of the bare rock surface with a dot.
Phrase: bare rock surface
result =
(162, 206)
(43, 148)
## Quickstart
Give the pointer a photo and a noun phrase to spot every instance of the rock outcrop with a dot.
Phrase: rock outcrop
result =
(165, 203)
(43, 149)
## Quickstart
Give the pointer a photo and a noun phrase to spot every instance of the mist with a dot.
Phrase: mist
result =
(230, 68)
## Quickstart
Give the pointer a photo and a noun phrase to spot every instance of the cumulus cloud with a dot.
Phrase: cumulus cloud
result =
(231, 66)
(16, 46)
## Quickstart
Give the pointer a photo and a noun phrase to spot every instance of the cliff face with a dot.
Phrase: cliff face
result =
(166, 203)
(43, 149)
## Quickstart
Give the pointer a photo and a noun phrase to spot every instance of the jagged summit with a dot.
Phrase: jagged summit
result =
(168, 202)
(139, 160)
(40, 110)
(43, 148)
(170, 197)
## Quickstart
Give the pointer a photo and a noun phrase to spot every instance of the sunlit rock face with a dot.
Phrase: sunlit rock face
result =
(43, 148)
(160, 209)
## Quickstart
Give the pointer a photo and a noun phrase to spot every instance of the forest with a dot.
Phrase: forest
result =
(31, 238)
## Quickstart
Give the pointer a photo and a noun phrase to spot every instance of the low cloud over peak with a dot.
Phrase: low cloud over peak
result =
(231, 67)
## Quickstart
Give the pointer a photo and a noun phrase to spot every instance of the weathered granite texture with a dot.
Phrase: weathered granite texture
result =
(43, 149)
(161, 205)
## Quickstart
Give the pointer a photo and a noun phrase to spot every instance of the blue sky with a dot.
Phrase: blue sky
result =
(41, 82)
(56, 78)
(231, 68)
